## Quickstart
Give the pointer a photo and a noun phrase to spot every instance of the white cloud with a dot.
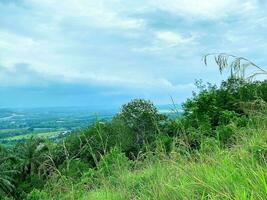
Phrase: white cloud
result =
(171, 38)
(204, 9)
(58, 56)
(163, 40)
(45, 64)
(97, 13)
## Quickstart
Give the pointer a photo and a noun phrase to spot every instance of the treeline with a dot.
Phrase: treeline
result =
(213, 115)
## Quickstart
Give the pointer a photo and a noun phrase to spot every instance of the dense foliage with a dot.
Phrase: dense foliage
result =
(142, 154)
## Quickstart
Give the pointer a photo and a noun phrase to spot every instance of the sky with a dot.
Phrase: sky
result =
(102, 53)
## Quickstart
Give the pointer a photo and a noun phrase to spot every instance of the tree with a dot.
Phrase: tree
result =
(31, 153)
(142, 117)
(6, 172)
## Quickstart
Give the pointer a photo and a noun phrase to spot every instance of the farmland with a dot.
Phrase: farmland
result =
(17, 125)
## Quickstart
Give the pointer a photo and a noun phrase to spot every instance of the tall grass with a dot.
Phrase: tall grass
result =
(239, 172)
(223, 174)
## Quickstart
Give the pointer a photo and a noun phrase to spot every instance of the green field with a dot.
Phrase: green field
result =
(21, 124)
(19, 134)
(27, 136)
(12, 131)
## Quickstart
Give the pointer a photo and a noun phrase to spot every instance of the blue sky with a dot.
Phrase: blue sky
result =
(105, 52)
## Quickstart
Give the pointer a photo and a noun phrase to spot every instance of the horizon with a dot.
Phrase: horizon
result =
(85, 108)
(103, 53)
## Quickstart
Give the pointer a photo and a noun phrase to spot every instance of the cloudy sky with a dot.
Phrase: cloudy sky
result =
(105, 52)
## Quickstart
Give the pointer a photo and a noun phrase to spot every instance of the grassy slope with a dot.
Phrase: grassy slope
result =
(222, 174)
(214, 173)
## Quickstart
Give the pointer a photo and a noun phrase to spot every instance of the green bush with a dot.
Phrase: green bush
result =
(73, 168)
(226, 117)
(113, 163)
(213, 111)
(162, 143)
(90, 143)
(209, 145)
(90, 179)
(222, 105)
(37, 195)
(225, 133)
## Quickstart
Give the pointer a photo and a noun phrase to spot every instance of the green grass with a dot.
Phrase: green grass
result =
(225, 174)
(239, 172)
(23, 133)
(18, 130)
(27, 136)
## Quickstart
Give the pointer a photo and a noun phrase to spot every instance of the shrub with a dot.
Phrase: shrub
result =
(90, 179)
(73, 168)
(90, 143)
(226, 117)
(209, 145)
(37, 195)
(163, 143)
(222, 105)
(224, 133)
(113, 163)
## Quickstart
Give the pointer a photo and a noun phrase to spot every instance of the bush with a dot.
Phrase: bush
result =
(113, 163)
(90, 143)
(90, 179)
(37, 195)
(213, 111)
(209, 145)
(222, 105)
(226, 117)
(73, 169)
(162, 143)
(224, 133)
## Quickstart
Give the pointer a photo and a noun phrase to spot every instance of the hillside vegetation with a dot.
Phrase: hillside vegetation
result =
(216, 150)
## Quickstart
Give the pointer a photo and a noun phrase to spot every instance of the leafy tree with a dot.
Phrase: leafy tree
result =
(31, 153)
(142, 117)
(211, 112)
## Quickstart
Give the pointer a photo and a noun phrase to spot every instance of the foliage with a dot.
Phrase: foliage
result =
(6, 172)
(143, 118)
(225, 133)
(220, 174)
(31, 155)
(74, 168)
(113, 162)
(212, 110)
(215, 150)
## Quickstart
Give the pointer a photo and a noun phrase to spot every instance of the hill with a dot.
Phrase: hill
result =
(215, 149)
